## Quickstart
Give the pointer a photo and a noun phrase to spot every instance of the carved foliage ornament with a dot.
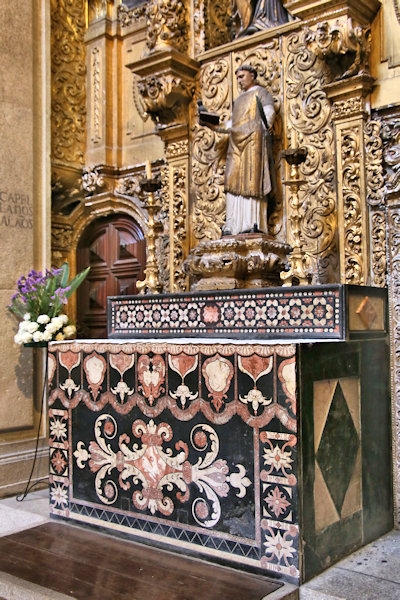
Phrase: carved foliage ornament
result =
(127, 16)
(218, 28)
(68, 81)
(376, 198)
(309, 115)
(171, 247)
(394, 301)
(345, 47)
(179, 228)
(167, 25)
(165, 97)
(391, 143)
(351, 184)
(92, 180)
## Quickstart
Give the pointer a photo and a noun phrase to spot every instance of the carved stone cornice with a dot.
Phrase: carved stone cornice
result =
(363, 11)
(166, 85)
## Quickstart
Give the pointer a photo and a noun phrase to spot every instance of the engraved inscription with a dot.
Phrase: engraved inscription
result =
(15, 210)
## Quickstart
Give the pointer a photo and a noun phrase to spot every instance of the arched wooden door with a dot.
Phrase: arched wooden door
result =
(115, 249)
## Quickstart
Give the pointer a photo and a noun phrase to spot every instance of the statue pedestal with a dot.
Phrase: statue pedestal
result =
(244, 261)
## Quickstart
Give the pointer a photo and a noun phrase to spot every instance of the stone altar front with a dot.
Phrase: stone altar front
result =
(265, 446)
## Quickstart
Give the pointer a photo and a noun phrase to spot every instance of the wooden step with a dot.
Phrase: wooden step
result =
(90, 565)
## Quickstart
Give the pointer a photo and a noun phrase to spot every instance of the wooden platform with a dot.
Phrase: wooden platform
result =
(89, 565)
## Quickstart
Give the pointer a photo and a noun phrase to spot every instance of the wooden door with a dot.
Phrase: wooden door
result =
(115, 249)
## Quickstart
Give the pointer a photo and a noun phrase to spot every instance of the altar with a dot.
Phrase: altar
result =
(246, 427)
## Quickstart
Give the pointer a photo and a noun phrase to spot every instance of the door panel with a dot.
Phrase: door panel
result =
(115, 249)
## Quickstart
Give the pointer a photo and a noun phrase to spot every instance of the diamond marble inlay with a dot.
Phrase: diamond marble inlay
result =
(338, 448)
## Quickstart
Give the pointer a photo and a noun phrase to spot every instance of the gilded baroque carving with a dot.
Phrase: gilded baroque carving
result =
(394, 302)
(61, 238)
(129, 186)
(352, 211)
(98, 9)
(177, 149)
(391, 140)
(179, 229)
(96, 97)
(128, 16)
(167, 25)
(343, 45)
(198, 27)
(375, 199)
(68, 121)
(92, 179)
(309, 116)
(373, 163)
(165, 97)
(378, 248)
(138, 98)
(171, 246)
(163, 240)
(343, 109)
(218, 23)
(207, 154)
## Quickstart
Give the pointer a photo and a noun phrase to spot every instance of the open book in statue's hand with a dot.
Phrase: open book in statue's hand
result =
(206, 117)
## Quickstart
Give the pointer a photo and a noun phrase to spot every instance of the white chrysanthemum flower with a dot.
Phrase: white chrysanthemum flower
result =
(47, 336)
(38, 336)
(26, 338)
(18, 338)
(31, 326)
(57, 322)
(51, 328)
(27, 317)
(64, 319)
(60, 337)
(43, 319)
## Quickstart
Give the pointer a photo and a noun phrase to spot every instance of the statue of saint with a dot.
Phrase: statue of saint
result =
(248, 176)
(250, 16)
(268, 13)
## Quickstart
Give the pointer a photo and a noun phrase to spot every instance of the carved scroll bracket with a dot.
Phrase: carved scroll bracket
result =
(167, 85)
(344, 45)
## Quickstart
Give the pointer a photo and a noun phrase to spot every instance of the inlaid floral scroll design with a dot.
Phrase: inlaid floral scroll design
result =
(154, 472)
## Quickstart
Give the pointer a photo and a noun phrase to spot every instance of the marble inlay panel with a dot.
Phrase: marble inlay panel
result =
(189, 445)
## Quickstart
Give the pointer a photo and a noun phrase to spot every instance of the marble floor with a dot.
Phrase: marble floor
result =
(372, 573)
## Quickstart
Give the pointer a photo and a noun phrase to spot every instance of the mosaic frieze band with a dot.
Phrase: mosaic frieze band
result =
(265, 313)
(190, 445)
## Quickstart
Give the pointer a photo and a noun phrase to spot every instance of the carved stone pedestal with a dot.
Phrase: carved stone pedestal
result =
(243, 261)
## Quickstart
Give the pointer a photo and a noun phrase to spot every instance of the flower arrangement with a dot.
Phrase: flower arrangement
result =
(38, 303)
